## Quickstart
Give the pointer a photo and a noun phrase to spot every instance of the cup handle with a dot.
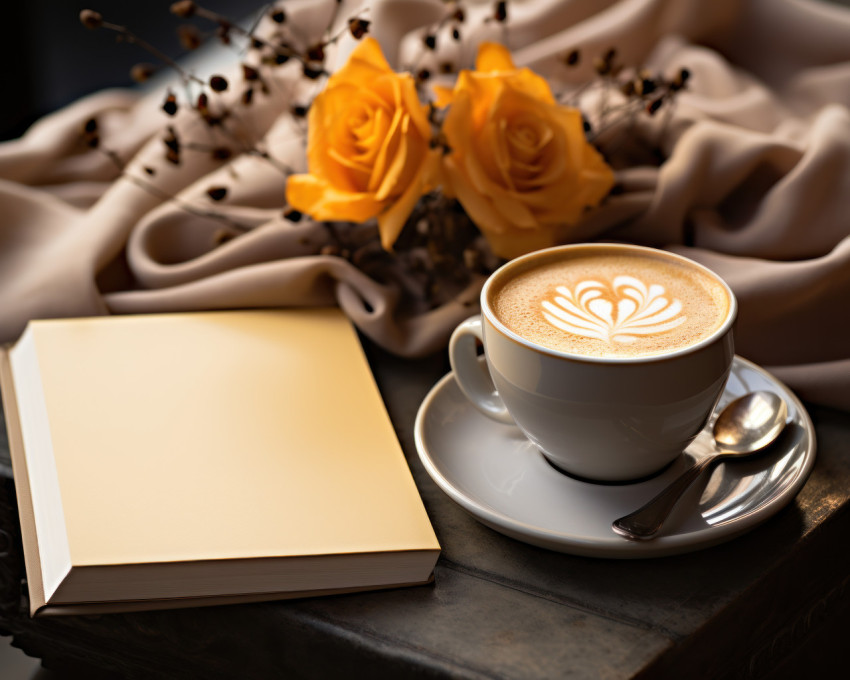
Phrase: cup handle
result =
(472, 375)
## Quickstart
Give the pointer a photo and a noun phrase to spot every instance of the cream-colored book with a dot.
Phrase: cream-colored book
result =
(183, 459)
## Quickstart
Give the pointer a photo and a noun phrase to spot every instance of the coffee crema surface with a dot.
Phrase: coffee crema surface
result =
(607, 303)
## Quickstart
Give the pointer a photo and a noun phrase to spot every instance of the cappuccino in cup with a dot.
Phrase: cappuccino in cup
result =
(609, 358)
(599, 303)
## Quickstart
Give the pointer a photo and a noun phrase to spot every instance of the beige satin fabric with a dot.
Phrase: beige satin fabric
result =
(756, 184)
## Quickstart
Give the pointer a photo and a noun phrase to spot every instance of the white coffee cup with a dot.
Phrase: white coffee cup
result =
(605, 417)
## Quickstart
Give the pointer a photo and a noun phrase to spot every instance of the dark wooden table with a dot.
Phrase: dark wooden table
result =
(774, 603)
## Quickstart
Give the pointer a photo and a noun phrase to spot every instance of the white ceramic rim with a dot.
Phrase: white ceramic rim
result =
(517, 262)
(662, 546)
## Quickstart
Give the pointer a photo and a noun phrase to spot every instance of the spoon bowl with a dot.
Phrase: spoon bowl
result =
(750, 423)
(746, 426)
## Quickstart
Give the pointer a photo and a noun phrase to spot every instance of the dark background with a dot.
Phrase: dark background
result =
(50, 59)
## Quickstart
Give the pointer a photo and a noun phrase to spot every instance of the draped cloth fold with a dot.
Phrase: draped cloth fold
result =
(755, 181)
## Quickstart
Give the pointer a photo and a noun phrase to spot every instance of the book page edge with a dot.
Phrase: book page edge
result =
(35, 567)
(121, 606)
(32, 560)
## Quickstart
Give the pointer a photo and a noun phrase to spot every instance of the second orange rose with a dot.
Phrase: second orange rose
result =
(519, 163)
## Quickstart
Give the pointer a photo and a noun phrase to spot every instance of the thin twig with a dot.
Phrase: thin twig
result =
(165, 196)
(133, 39)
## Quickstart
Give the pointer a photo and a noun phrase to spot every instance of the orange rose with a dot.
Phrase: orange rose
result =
(368, 147)
(519, 164)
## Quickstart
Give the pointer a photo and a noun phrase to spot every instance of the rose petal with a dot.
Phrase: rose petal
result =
(404, 155)
(329, 127)
(387, 152)
(443, 95)
(491, 153)
(365, 63)
(393, 219)
(511, 205)
(357, 176)
(409, 100)
(315, 197)
(479, 177)
(369, 141)
(458, 122)
(477, 206)
(493, 57)
(528, 82)
(400, 165)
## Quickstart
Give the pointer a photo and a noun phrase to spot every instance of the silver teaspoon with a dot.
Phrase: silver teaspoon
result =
(747, 425)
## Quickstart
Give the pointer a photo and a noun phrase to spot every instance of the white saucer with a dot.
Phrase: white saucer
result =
(493, 472)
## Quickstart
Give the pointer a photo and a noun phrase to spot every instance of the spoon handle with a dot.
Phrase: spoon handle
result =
(646, 521)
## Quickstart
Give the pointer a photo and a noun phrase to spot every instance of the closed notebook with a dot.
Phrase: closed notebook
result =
(182, 459)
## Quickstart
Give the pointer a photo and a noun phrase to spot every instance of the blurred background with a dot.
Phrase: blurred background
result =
(50, 59)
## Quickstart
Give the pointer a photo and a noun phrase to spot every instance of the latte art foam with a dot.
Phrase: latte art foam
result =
(621, 313)
(607, 303)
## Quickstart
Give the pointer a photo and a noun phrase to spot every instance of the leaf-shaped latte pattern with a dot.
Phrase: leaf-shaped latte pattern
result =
(618, 313)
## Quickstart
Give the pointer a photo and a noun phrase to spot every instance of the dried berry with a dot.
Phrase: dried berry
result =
(601, 66)
(189, 36)
(171, 141)
(222, 236)
(217, 193)
(218, 83)
(654, 105)
(142, 72)
(316, 52)
(184, 8)
(681, 79)
(91, 19)
(312, 72)
(358, 28)
(278, 16)
(647, 86)
(170, 104)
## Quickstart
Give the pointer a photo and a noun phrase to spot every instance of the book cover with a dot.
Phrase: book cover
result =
(162, 460)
